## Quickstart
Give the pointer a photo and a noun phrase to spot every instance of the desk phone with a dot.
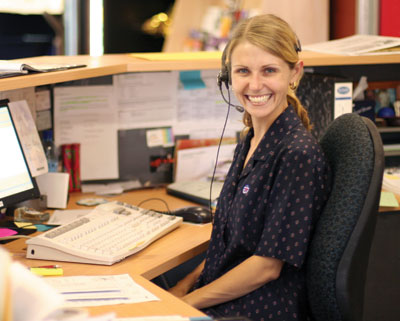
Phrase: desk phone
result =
(108, 234)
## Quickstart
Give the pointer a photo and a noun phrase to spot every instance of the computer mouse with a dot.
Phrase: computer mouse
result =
(194, 214)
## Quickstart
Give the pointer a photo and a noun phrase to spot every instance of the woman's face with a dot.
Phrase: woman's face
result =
(260, 81)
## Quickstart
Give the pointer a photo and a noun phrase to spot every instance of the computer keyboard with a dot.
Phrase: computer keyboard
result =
(108, 234)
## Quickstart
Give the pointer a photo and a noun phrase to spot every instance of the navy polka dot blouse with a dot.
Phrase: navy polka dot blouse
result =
(269, 209)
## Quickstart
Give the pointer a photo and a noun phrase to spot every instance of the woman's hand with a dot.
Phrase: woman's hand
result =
(184, 285)
(178, 290)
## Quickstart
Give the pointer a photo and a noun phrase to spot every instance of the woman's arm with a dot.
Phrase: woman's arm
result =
(244, 278)
(184, 285)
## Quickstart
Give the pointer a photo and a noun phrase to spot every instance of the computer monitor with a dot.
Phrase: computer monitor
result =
(16, 181)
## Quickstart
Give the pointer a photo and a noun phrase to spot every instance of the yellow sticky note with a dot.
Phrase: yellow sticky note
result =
(388, 199)
(26, 225)
(168, 56)
(46, 271)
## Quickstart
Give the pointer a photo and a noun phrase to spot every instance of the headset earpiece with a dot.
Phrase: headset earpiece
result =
(223, 75)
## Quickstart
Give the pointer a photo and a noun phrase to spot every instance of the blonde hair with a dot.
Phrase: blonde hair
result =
(274, 35)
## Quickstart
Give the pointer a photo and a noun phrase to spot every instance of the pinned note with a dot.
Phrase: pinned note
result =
(159, 137)
(191, 79)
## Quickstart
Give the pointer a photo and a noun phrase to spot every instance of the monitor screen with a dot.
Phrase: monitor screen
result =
(16, 182)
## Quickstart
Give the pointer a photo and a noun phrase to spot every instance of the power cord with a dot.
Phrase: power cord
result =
(169, 212)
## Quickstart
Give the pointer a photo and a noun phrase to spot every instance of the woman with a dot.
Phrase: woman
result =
(274, 191)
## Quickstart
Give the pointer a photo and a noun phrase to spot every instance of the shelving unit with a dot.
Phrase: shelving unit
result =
(309, 18)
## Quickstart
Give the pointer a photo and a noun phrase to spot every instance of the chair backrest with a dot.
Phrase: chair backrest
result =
(338, 255)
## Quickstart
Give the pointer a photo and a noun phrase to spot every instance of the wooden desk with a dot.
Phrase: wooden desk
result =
(180, 245)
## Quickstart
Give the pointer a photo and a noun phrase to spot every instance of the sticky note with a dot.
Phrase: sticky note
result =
(159, 137)
(26, 225)
(43, 228)
(191, 79)
(388, 199)
(46, 271)
(6, 232)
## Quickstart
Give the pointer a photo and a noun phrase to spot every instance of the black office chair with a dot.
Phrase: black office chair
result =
(339, 251)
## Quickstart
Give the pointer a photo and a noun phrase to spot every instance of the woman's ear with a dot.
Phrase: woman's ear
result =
(297, 71)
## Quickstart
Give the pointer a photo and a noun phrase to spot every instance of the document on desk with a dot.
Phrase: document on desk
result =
(358, 45)
(84, 291)
(60, 217)
(87, 115)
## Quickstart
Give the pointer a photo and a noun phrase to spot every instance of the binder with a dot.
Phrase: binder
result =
(325, 98)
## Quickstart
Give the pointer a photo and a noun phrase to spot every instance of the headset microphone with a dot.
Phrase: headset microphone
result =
(237, 107)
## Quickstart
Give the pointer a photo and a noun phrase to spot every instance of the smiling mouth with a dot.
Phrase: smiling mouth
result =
(258, 99)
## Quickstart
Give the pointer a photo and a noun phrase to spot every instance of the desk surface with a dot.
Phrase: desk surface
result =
(180, 245)
(171, 250)
(159, 257)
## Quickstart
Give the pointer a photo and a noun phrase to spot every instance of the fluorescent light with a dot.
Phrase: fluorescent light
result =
(96, 44)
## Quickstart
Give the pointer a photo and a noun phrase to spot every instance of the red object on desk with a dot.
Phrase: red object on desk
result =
(70, 157)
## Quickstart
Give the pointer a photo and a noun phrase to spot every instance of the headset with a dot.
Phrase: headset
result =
(224, 78)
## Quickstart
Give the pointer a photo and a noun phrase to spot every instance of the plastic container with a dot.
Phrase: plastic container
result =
(50, 150)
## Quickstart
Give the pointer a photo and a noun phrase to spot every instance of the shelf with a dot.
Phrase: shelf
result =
(392, 153)
(393, 129)
(96, 67)
(111, 64)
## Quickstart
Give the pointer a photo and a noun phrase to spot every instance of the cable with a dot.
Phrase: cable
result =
(157, 199)
(220, 142)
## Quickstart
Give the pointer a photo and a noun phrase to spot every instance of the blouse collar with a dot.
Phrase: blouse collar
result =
(285, 124)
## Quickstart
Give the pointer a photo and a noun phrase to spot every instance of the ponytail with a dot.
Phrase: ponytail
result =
(300, 110)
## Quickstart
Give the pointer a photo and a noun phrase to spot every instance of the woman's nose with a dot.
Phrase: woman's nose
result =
(255, 82)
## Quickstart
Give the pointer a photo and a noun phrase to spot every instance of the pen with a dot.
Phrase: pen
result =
(48, 266)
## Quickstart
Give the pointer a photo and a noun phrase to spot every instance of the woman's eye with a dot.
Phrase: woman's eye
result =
(269, 70)
(242, 71)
